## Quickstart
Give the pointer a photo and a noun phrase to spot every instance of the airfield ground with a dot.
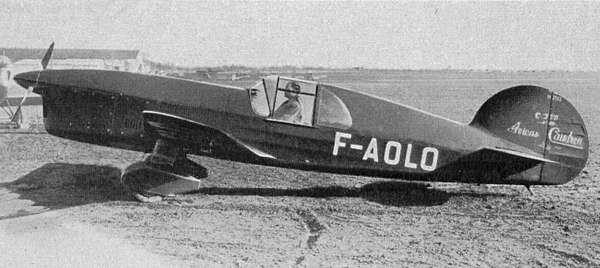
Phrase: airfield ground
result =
(61, 203)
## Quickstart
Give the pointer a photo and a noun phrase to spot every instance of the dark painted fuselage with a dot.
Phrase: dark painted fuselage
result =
(385, 139)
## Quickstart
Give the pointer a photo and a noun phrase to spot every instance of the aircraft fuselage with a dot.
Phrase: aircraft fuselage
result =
(385, 138)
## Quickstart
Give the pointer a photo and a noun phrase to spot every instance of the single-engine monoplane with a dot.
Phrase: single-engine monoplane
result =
(524, 135)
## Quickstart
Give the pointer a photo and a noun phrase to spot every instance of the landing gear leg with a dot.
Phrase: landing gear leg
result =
(165, 172)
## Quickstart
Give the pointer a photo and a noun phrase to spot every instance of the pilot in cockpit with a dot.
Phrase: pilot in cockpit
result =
(291, 109)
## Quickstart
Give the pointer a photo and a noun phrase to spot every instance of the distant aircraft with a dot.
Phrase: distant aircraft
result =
(6, 82)
(235, 76)
(524, 135)
(311, 77)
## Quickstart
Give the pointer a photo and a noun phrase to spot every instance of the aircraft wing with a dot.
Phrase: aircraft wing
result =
(198, 137)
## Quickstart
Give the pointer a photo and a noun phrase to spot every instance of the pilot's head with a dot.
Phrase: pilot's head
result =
(5, 62)
(292, 89)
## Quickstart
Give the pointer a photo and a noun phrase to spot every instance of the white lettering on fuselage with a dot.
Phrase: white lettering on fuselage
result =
(407, 162)
(392, 155)
(371, 152)
(337, 143)
(555, 97)
(568, 140)
(517, 129)
(546, 116)
(392, 158)
(434, 158)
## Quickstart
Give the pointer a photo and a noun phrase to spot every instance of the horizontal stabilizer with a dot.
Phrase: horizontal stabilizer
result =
(495, 165)
(513, 153)
(501, 159)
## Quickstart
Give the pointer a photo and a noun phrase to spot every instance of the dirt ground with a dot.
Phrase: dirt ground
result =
(61, 204)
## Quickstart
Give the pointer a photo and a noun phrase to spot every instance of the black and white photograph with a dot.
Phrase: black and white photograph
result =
(155, 133)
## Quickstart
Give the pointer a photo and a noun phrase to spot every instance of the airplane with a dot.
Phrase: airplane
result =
(6, 77)
(523, 135)
(5, 84)
(236, 77)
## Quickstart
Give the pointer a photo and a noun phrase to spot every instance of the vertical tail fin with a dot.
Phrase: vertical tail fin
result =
(542, 121)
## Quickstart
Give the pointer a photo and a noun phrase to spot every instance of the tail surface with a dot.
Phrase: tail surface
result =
(542, 121)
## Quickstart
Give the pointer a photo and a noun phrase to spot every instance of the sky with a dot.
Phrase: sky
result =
(337, 34)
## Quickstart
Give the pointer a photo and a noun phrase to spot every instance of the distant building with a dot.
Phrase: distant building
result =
(19, 60)
(26, 59)
(122, 60)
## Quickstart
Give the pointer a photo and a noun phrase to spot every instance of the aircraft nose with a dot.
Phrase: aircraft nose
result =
(27, 79)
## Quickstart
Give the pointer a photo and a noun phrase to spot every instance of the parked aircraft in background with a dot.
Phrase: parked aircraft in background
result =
(6, 81)
(524, 135)
(5, 84)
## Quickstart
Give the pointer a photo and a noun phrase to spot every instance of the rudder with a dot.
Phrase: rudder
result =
(542, 121)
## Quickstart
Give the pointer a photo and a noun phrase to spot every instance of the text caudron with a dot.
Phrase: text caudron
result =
(392, 154)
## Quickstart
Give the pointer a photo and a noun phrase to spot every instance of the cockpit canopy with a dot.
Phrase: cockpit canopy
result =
(299, 102)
